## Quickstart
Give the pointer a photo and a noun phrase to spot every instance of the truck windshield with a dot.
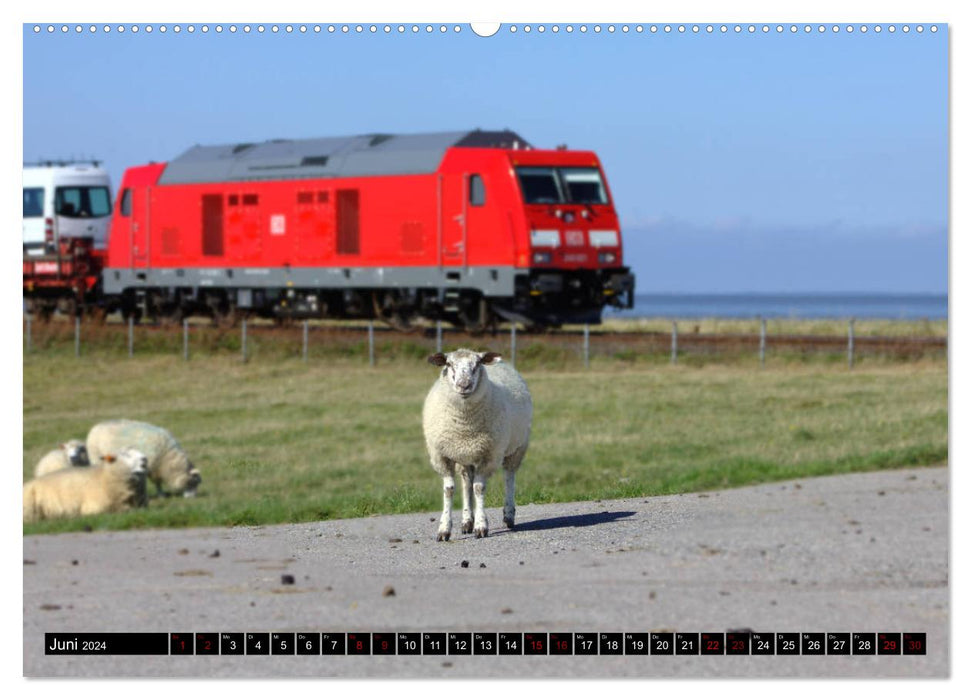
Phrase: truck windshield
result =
(82, 202)
(562, 186)
(33, 202)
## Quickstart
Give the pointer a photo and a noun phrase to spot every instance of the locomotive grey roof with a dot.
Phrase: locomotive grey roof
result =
(349, 156)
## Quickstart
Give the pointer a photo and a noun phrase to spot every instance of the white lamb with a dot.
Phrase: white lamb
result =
(168, 465)
(476, 418)
(113, 485)
(72, 453)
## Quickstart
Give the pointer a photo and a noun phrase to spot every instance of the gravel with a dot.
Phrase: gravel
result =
(852, 553)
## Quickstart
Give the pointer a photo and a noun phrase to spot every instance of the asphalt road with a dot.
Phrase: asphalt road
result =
(854, 553)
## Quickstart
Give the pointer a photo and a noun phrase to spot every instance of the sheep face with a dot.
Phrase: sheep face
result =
(77, 453)
(195, 478)
(462, 368)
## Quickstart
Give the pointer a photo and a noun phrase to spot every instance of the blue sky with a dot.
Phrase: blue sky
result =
(784, 162)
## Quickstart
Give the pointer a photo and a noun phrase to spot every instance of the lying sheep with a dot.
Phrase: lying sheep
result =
(72, 453)
(168, 465)
(476, 418)
(113, 485)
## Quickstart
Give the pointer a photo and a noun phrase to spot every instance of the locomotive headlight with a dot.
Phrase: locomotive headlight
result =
(544, 238)
(607, 258)
(603, 238)
(542, 258)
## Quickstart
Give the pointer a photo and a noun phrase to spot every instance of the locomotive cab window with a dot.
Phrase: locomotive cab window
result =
(125, 206)
(477, 192)
(540, 185)
(562, 185)
(583, 185)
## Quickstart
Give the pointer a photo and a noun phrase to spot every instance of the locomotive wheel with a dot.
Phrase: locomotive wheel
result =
(402, 323)
(480, 323)
(389, 311)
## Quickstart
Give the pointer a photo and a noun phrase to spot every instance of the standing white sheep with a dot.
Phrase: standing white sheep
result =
(115, 484)
(168, 465)
(72, 453)
(476, 418)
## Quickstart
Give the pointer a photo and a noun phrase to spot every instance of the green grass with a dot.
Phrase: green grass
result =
(280, 440)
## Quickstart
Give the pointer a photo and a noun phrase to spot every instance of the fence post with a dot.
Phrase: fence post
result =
(512, 344)
(586, 345)
(849, 344)
(77, 336)
(243, 330)
(28, 332)
(305, 331)
(370, 342)
(185, 339)
(438, 336)
(674, 342)
(762, 344)
(131, 337)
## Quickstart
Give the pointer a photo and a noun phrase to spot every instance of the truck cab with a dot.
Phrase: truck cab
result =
(64, 200)
(67, 209)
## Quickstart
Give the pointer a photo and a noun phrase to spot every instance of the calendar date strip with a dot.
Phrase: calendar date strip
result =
(731, 643)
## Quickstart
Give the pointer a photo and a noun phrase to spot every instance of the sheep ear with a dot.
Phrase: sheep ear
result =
(489, 358)
(438, 359)
(109, 458)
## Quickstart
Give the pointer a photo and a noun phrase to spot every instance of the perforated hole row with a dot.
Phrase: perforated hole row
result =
(455, 29)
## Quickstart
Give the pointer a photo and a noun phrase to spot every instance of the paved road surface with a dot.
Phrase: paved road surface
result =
(855, 553)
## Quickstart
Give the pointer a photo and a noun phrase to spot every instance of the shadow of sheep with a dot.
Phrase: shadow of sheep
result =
(585, 520)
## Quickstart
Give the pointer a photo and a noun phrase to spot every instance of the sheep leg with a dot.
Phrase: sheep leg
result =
(467, 473)
(481, 522)
(445, 524)
(511, 464)
(509, 509)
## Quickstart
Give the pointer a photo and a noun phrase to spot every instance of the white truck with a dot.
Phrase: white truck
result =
(67, 210)
(65, 199)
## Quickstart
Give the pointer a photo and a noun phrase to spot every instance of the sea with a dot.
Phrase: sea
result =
(796, 306)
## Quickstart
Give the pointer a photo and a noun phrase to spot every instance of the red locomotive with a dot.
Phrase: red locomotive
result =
(466, 227)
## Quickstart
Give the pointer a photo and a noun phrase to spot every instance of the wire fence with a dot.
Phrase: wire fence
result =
(374, 343)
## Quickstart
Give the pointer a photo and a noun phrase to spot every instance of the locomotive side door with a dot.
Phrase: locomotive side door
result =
(453, 220)
(130, 224)
(139, 222)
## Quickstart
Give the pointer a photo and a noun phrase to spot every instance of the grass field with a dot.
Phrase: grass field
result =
(280, 440)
